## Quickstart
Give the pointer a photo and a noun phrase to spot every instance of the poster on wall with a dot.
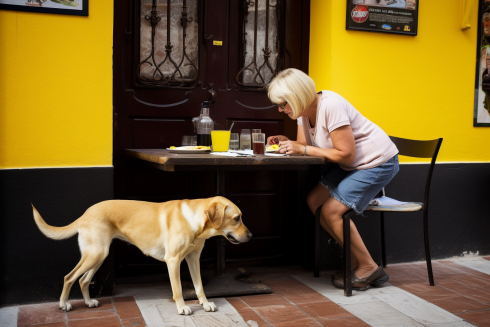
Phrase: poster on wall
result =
(385, 16)
(481, 114)
(65, 7)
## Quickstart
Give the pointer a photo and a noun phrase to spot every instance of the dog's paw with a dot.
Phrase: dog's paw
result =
(65, 307)
(92, 303)
(210, 306)
(185, 310)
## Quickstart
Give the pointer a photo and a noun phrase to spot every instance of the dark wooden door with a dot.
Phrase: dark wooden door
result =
(232, 50)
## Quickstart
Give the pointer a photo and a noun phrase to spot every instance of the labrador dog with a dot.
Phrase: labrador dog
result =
(169, 231)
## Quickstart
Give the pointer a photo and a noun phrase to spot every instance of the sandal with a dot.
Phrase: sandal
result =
(376, 278)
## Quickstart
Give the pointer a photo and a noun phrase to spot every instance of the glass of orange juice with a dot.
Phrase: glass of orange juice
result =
(220, 140)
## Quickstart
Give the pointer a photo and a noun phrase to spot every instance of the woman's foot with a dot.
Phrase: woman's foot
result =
(353, 265)
(375, 278)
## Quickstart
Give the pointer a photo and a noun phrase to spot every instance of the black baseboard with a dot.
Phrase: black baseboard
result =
(33, 266)
(458, 216)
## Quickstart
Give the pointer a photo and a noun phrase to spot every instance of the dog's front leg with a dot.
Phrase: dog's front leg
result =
(194, 267)
(173, 265)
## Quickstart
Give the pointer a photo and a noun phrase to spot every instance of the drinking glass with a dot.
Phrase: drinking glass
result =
(186, 140)
(245, 140)
(234, 141)
(256, 131)
(258, 140)
(194, 140)
(220, 140)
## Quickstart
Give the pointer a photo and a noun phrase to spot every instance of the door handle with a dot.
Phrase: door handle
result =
(212, 95)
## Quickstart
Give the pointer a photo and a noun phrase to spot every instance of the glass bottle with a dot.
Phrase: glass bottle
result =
(204, 126)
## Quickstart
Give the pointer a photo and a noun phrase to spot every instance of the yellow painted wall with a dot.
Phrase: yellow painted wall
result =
(418, 87)
(56, 88)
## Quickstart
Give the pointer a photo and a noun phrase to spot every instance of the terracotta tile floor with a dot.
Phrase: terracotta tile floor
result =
(117, 311)
(459, 290)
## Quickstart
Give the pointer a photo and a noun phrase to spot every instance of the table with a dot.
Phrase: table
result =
(222, 283)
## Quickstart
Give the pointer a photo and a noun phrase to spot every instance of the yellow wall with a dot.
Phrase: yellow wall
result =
(418, 87)
(56, 88)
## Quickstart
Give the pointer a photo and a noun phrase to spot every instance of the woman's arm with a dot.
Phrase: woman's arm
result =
(344, 151)
(300, 137)
(344, 147)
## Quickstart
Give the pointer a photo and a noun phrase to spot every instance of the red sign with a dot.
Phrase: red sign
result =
(360, 14)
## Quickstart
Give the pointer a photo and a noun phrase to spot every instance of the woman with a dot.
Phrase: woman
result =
(367, 160)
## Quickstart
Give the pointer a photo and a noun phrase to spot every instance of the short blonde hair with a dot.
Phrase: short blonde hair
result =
(295, 87)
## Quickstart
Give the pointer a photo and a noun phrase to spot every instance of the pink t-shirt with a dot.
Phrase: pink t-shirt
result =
(373, 145)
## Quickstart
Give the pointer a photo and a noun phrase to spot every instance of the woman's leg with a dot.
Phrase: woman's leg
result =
(332, 212)
(316, 198)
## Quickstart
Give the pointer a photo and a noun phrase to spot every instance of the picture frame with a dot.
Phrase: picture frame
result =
(383, 16)
(481, 115)
(63, 7)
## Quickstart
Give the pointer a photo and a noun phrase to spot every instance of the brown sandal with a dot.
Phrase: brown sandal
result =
(376, 278)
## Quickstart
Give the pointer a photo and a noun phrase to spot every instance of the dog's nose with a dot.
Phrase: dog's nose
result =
(249, 235)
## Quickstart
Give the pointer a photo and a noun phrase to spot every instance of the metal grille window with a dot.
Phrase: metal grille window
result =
(261, 33)
(168, 43)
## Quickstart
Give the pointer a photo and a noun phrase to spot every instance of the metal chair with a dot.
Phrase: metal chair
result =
(406, 147)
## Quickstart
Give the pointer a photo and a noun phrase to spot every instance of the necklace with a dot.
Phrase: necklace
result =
(316, 122)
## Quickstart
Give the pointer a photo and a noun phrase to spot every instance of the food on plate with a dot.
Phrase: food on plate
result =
(272, 148)
(199, 147)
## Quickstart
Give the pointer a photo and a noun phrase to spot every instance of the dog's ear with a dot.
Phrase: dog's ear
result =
(215, 211)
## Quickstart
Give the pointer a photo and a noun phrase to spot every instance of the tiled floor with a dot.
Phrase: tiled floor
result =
(461, 297)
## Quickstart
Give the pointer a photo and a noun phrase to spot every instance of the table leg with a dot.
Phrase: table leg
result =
(225, 283)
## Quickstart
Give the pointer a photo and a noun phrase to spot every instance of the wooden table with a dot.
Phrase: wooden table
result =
(224, 283)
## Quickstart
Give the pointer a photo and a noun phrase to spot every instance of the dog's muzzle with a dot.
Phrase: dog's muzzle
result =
(235, 240)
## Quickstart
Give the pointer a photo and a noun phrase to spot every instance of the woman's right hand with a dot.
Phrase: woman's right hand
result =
(276, 139)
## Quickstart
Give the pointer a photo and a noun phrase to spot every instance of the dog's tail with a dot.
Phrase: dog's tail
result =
(56, 233)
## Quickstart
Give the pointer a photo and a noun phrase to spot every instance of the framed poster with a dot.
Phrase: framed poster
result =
(65, 7)
(385, 16)
(481, 113)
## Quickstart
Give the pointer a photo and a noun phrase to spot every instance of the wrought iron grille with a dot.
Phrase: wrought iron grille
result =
(261, 31)
(168, 43)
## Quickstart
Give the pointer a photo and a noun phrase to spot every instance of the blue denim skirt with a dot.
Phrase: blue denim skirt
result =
(357, 188)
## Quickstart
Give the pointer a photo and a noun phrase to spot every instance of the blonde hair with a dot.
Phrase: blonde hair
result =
(295, 87)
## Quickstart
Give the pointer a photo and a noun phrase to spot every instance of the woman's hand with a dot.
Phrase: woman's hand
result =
(291, 148)
(276, 139)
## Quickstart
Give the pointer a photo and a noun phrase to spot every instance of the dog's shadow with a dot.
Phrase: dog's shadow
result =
(158, 308)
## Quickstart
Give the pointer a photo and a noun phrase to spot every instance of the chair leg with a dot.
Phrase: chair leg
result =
(316, 272)
(383, 249)
(427, 250)
(347, 254)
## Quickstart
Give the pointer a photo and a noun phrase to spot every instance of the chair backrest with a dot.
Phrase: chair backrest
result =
(416, 148)
(420, 149)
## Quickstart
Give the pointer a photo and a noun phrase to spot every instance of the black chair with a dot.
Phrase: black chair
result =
(410, 148)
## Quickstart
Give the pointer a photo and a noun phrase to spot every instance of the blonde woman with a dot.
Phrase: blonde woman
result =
(329, 126)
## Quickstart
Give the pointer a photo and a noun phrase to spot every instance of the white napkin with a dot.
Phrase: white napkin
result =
(385, 201)
(226, 154)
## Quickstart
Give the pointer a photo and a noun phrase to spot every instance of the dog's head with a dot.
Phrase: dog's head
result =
(226, 218)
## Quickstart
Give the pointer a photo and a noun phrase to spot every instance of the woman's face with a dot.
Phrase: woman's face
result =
(287, 110)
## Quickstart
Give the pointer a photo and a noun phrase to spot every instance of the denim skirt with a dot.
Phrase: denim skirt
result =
(357, 188)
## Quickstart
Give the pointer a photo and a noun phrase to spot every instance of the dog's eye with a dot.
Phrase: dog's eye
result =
(237, 218)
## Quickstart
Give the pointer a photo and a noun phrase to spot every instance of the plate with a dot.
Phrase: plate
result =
(184, 149)
(272, 151)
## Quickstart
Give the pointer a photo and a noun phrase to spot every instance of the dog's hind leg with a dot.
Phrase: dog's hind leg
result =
(85, 283)
(194, 268)
(86, 263)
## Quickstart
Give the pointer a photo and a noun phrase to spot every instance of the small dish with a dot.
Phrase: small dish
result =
(188, 149)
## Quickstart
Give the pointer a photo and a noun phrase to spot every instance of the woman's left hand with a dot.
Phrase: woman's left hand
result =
(291, 148)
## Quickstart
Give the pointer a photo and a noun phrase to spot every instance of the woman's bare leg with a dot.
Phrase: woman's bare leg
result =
(332, 211)
(316, 198)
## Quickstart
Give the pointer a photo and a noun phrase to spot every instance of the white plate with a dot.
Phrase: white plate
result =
(272, 151)
(190, 151)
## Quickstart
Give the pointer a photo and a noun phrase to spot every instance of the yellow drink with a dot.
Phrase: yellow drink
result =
(220, 140)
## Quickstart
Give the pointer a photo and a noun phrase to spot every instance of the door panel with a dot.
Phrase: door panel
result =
(156, 114)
